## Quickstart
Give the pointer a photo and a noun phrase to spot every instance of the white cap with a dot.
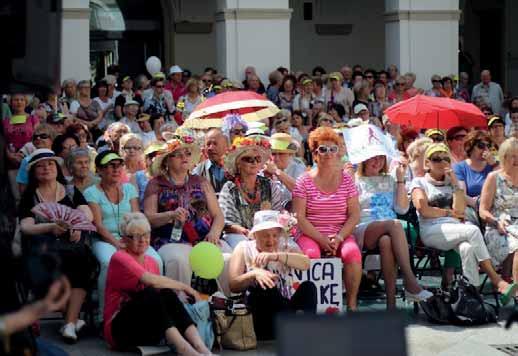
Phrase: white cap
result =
(131, 102)
(266, 219)
(175, 69)
(359, 108)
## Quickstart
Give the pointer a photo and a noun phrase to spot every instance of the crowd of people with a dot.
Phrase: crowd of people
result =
(118, 151)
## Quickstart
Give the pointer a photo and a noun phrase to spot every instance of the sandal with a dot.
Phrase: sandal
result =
(509, 293)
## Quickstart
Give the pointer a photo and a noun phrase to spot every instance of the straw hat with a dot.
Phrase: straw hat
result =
(282, 143)
(240, 146)
(175, 144)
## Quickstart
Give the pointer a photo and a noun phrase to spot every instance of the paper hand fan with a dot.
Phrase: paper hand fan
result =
(74, 218)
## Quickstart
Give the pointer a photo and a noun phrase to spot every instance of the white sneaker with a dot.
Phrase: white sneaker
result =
(68, 331)
(80, 324)
(419, 297)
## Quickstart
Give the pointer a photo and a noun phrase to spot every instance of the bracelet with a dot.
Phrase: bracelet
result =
(400, 182)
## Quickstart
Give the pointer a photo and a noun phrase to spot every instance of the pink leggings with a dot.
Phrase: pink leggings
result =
(348, 250)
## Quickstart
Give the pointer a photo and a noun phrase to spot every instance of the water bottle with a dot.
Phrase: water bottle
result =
(176, 232)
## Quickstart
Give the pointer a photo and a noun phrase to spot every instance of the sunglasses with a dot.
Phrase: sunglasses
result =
(482, 145)
(115, 165)
(238, 131)
(400, 84)
(207, 81)
(251, 160)
(436, 81)
(135, 148)
(369, 77)
(440, 159)
(185, 153)
(327, 149)
(437, 138)
(282, 121)
(159, 86)
(40, 137)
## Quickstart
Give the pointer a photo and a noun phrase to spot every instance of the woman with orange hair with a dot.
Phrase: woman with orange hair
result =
(325, 201)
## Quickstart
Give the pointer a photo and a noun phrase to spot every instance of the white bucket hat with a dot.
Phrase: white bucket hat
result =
(265, 220)
(175, 69)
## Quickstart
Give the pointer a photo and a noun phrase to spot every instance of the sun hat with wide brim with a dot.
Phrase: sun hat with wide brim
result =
(172, 145)
(282, 143)
(265, 220)
(242, 145)
(42, 154)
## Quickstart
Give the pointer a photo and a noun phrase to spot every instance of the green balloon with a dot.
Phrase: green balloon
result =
(206, 260)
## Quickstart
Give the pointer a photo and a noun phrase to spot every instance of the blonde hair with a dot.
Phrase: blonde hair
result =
(418, 147)
(361, 171)
(134, 221)
(126, 138)
(506, 148)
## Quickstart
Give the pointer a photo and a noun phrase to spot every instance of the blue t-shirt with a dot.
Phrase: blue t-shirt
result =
(112, 213)
(474, 180)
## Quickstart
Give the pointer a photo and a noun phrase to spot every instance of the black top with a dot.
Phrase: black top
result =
(29, 201)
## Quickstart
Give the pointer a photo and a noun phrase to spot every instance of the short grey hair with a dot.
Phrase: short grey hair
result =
(75, 154)
(133, 221)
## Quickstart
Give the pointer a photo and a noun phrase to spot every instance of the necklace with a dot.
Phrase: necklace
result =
(42, 199)
(113, 208)
(251, 198)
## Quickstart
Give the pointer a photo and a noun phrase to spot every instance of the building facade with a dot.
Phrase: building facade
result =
(422, 36)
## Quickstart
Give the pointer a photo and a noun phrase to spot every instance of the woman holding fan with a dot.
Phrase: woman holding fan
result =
(47, 185)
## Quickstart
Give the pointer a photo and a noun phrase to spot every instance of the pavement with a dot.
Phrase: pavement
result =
(422, 337)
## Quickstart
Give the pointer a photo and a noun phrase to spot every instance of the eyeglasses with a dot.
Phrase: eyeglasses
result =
(400, 84)
(459, 137)
(138, 237)
(436, 81)
(184, 153)
(207, 81)
(369, 76)
(482, 145)
(440, 159)
(326, 120)
(327, 149)
(134, 148)
(159, 86)
(40, 137)
(279, 153)
(251, 160)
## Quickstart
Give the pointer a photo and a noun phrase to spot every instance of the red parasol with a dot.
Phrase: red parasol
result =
(425, 112)
(250, 105)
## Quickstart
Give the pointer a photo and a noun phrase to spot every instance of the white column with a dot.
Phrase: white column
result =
(253, 33)
(75, 40)
(422, 36)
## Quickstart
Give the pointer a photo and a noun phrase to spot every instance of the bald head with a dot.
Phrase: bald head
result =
(485, 76)
(216, 144)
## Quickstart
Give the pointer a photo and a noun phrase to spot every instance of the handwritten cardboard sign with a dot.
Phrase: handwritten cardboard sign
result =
(326, 274)
(366, 141)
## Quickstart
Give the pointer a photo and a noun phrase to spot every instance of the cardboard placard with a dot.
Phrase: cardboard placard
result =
(326, 274)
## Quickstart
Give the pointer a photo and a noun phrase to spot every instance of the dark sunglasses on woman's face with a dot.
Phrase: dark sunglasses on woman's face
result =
(482, 145)
(251, 160)
(440, 159)
(238, 131)
(40, 137)
(281, 121)
(327, 149)
(437, 138)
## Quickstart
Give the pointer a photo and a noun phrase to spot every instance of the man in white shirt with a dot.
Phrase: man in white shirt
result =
(490, 91)
(130, 116)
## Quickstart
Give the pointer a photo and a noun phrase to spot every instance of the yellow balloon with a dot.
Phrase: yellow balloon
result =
(206, 260)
